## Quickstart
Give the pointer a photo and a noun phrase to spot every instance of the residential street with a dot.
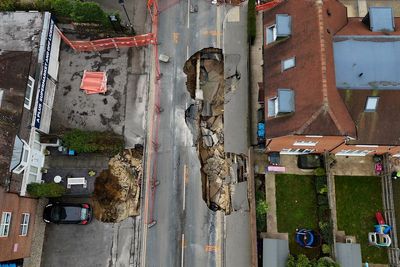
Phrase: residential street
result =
(187, 233)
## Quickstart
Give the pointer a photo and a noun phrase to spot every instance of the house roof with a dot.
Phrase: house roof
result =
(348, 255)
(367, 62)
(275, 252)
(318, 105)
(356, 27)
(14, 70)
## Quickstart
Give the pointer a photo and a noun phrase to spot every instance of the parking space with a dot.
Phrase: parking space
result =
(96, 244)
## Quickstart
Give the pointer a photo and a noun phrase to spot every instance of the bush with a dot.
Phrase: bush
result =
(326, 249)
(319, 171)
(320, 182)
(7, 5)
(323, 212)
(326, 229)
(261, 211)
(62, 8)
(91, 141)
(45, 190)
(322, 200)
(301, 261)
(251, 21)
(88, 12)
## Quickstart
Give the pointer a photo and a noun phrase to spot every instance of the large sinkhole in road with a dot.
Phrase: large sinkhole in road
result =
(205, 118)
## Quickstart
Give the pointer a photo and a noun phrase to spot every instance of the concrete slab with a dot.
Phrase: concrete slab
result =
(238, 235)
(239, 197)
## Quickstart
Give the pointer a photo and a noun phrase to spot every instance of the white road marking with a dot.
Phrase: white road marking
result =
(184, 186)
(188, 13)
(187, 52)
(218, 27)
(183, 250)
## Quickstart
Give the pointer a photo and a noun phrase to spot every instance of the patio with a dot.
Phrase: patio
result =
(59, 164)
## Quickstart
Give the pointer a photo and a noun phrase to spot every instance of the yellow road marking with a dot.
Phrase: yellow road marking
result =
(175, 37)
(211, 248)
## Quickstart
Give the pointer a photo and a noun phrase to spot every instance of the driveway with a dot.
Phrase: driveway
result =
(96, 244)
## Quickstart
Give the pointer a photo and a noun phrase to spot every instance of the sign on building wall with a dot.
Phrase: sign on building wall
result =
(43, 76)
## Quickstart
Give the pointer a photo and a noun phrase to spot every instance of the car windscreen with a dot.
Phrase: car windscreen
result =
(58, 213)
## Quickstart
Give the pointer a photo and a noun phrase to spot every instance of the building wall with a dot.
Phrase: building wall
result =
(15, 246)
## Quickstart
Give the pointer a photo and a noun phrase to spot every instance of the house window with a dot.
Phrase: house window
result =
(270, 33)
(273, 107)
(305, 143)
(372, 103)
(288, 63)
(350, 152)
(296, 151)
(5, 224)
(23, 230)
(29, 93)
(24, 162)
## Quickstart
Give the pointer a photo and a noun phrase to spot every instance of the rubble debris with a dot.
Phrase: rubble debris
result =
(117, 190)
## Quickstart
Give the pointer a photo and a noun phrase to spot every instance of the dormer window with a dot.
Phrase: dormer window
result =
(280, 30)
(282, 104)
(271, 34)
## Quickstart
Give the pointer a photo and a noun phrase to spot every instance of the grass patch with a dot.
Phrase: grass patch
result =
(357, 200)
(296, 204)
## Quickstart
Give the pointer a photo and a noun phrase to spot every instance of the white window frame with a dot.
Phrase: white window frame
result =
(29, 99)
(296, 151)
(314, 136)
(374, 102)
(274, 102)
(270, 29)
(353, 152)
(5, 223)
(305, 143)
(25, 155)
(24, 227)
(290, 63)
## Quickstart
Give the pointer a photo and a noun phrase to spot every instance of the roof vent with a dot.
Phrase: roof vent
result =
(379, 19)
(283, 25)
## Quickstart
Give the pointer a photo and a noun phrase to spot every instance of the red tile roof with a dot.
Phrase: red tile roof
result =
(356, 27)
(319, 108)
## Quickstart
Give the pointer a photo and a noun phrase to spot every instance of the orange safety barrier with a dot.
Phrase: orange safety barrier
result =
(109, 43)
(268, 5)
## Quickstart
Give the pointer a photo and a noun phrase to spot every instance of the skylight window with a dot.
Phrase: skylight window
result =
(372, 103)
(288, 63)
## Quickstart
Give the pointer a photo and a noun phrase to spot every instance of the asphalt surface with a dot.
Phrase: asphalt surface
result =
(187, 233)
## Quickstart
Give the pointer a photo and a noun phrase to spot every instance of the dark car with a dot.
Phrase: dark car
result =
(310, 161)
(67, 213)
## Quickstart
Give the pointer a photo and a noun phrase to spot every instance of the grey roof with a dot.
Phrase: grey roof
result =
(275, 252)
(381, 19)
(20, 31)
(348, 255)
(283, 25)
(285, 100)
(367, 62)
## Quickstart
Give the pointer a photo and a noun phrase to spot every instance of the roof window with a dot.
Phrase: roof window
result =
(288, 63)
(379, 19)
(282, 104)
(372, 103)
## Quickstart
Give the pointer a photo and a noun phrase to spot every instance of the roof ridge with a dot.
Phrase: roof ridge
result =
(310, 120)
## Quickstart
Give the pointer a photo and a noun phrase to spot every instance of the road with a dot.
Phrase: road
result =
(187, 233)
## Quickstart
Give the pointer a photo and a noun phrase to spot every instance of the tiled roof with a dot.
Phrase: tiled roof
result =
(318, 105)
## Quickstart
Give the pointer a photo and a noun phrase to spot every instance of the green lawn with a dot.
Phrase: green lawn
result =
(357, 200)
(296, 207)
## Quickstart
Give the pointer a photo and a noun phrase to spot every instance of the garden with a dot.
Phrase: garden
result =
(358, 198)
(302, 203)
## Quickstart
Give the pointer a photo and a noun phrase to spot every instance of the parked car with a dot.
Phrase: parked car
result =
(310, 161)
(67, 213)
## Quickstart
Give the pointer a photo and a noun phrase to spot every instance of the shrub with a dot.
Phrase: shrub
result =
(261, 211)
(45, 190)
(323, 190)
(301, 261)
(326, 232)
(319, 171)
(62, 8)
(91, 141)
(326, 262)
(322, 200)
(7, 5)
(323, 214)
(88, 12)
(320, 182)
(326, 249)
(251, 21)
